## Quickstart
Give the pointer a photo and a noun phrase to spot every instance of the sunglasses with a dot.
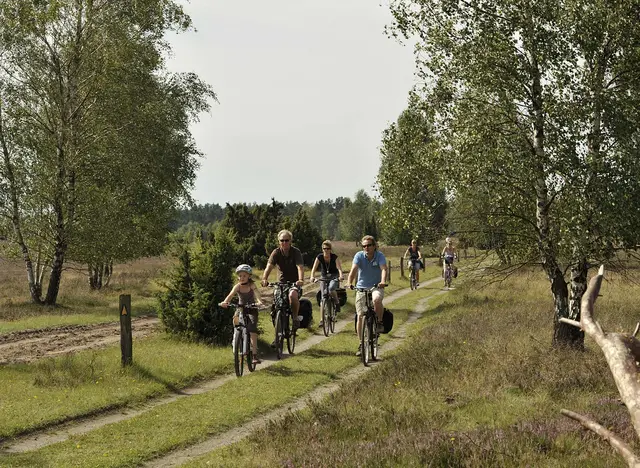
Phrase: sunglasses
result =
(364, 246)
(326, 248)
(284, 240)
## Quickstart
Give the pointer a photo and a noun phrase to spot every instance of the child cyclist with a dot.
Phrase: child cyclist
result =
(247, 293)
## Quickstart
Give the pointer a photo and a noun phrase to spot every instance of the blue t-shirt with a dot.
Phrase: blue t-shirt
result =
(369, 273)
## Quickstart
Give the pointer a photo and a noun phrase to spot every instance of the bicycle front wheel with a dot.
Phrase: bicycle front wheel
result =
(279, 334)
(365, 336)
(332, 319)
(291, 335)
(247, 342)
(238, 357)
(412, 281)
(373, 344)
(326, 316)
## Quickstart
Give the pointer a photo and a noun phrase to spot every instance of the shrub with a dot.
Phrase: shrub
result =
(201, 279)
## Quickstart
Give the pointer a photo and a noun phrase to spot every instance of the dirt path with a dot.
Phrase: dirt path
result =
(179, 457)
(30, 345)
(61, 432)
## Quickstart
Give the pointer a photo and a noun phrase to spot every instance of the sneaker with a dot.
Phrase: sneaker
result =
(359, 352)
(256, 361)
(273, 344)
(417, 284)
(380, 327)
(321, 324)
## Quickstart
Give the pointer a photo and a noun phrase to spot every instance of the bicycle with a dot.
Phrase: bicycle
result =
(242, 341)
(284, 330)
(413, 281)
(448, 274)
(369, 331)
(327, 307)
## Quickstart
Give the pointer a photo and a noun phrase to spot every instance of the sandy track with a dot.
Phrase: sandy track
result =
(30, 345)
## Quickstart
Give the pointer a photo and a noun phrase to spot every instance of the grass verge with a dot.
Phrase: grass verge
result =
(190, 420)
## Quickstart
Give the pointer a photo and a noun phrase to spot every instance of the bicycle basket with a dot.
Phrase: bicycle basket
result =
(387, 320)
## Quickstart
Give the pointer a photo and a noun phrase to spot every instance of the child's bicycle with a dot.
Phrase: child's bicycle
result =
(283, 321)
(242, 341)
(413, 281)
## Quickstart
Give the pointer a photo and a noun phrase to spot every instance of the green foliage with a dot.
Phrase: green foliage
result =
(96, 150)
(305, 237)
(535, 121)
(359, 217)
(201, 279)
(414, 199)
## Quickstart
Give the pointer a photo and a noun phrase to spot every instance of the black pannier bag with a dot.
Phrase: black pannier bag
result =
(305, 312)
(387, 320)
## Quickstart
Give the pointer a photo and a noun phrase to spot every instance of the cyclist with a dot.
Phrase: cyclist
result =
(288, 259)
(415, 256)
(330, 268)
(371, 267)
(247, 293)
(448, 254)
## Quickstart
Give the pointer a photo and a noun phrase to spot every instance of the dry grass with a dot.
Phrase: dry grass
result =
(480, 385)
(75, 299)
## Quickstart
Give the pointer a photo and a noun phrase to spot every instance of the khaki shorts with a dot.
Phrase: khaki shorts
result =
(361, 300)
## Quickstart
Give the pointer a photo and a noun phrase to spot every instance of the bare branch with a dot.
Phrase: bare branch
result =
(616, 442)
(575, 323)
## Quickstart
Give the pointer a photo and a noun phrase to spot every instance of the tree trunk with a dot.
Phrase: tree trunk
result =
(56, 274)
(35, 287)
(564, 335)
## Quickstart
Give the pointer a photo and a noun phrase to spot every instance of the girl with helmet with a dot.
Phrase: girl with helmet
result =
(247, 293)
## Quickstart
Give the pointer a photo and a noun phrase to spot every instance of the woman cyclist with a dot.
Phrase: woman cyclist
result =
(448, 254)
(330, 268)
(415, 256)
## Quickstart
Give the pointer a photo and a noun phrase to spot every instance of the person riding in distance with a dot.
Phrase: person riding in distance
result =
(288, 259)
(415, 256)
(330, 268)
(448, 254)
(370, 265)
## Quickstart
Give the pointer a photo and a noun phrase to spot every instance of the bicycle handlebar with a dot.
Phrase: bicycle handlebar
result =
(373, 288)
(282, 283)
(252, 305)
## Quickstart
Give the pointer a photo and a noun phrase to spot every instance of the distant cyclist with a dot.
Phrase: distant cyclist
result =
(448, 255)
(330, 268)
(415, 256)
(371, 267)
(288, 259)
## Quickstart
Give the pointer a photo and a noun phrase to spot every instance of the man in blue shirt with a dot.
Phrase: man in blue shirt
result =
(371, 267)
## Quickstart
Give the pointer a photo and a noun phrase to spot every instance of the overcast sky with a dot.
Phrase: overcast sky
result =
(305, 89)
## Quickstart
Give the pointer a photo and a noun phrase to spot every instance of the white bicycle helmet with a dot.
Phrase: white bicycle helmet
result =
(244, 267)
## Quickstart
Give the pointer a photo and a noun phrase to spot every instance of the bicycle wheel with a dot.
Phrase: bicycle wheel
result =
(238, 357)
(290, 333)
(447, 278)
(247, 340)
(412, 280)
(332, 319)
(326, 316)
(364, 341)
(374, 340)
(279, 334)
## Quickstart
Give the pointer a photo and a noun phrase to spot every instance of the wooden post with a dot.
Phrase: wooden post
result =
(126, 336)
(401, 267)
(389, 273)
